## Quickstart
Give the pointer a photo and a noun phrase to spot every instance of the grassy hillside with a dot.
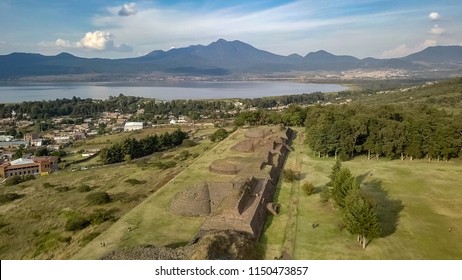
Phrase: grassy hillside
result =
(36, 226)
(443, 94)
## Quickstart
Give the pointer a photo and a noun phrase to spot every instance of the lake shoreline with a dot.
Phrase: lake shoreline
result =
(16, 92)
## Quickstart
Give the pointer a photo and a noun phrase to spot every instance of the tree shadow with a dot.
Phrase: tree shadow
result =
(388, 209)
(360, 178)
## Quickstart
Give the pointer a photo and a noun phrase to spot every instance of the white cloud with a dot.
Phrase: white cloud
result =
(98, 40)
(63, 43)
(128, 9)
(436, 30)
(434, 16)
(278, 29)
(404, 50)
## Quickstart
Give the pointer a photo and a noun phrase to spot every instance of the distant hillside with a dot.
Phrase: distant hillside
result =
(222, 58)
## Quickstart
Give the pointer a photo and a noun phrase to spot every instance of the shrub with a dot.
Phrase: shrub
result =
(100, 216)
(165, 165)
(219, 135)
(325, 194)
(289, 175)
(64, 239)
(62, 189)
(18, 179)
(89, 237)
(135, 182)
(48, 185)
(13, 181)
(76, 223)
(83, 188)
(183, 155)
(5, 198)
(308, 188)
(98, 198)
(188, 143)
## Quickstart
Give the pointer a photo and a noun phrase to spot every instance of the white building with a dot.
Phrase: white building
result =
(129, 126)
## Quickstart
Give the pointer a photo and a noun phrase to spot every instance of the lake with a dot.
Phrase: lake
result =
(162, 90)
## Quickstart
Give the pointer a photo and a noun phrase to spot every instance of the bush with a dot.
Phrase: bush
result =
(289, 175)
(18, 179)
(83, 188)
(13, 181)
(89, 237)
(98, 198)
(219, 135)
(308, 188)
(183, 155)
(76, 223)
(325, 194)
(188, 143)
(135, 182)
(8, 197)
(165, 165)
(100, 216)
(65, 239)
(62, 189)
(48, 185)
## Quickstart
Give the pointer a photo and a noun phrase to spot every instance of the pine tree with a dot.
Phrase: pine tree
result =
(360, 217)
(343, 183)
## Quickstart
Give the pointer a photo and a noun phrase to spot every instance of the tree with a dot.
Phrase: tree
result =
(360, 217)
(17, 153)
(42, 152)
(344, 183)
(219, 135)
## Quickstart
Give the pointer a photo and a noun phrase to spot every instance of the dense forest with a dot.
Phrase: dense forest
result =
(395, 131)
(83, 108)
(131, 148)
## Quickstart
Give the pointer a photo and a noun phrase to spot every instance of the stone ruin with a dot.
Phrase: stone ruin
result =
(243, 203)
(229, 166)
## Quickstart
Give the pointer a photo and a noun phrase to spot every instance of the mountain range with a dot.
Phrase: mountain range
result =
(222, 58)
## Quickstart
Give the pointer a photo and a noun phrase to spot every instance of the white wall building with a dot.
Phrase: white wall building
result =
(129, 126)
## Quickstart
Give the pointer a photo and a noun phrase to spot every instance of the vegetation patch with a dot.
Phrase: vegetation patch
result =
(308, 188)
(289, 175)
(98, 198)
(100, 216)
(188, 143)
(47, 185)
(76, 223)
(62, 189)
(8, 197)
(18, 179)
(219, 135)
(83, 188)
(89, 237)
(165, 165)
(134, 182)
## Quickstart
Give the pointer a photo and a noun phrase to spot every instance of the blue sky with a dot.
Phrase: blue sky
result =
(113, 29)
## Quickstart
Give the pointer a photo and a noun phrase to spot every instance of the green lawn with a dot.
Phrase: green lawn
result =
(418, 202)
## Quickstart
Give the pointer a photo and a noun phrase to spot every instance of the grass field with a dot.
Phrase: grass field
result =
(33, 227)
(151, 221)
(418, 202)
